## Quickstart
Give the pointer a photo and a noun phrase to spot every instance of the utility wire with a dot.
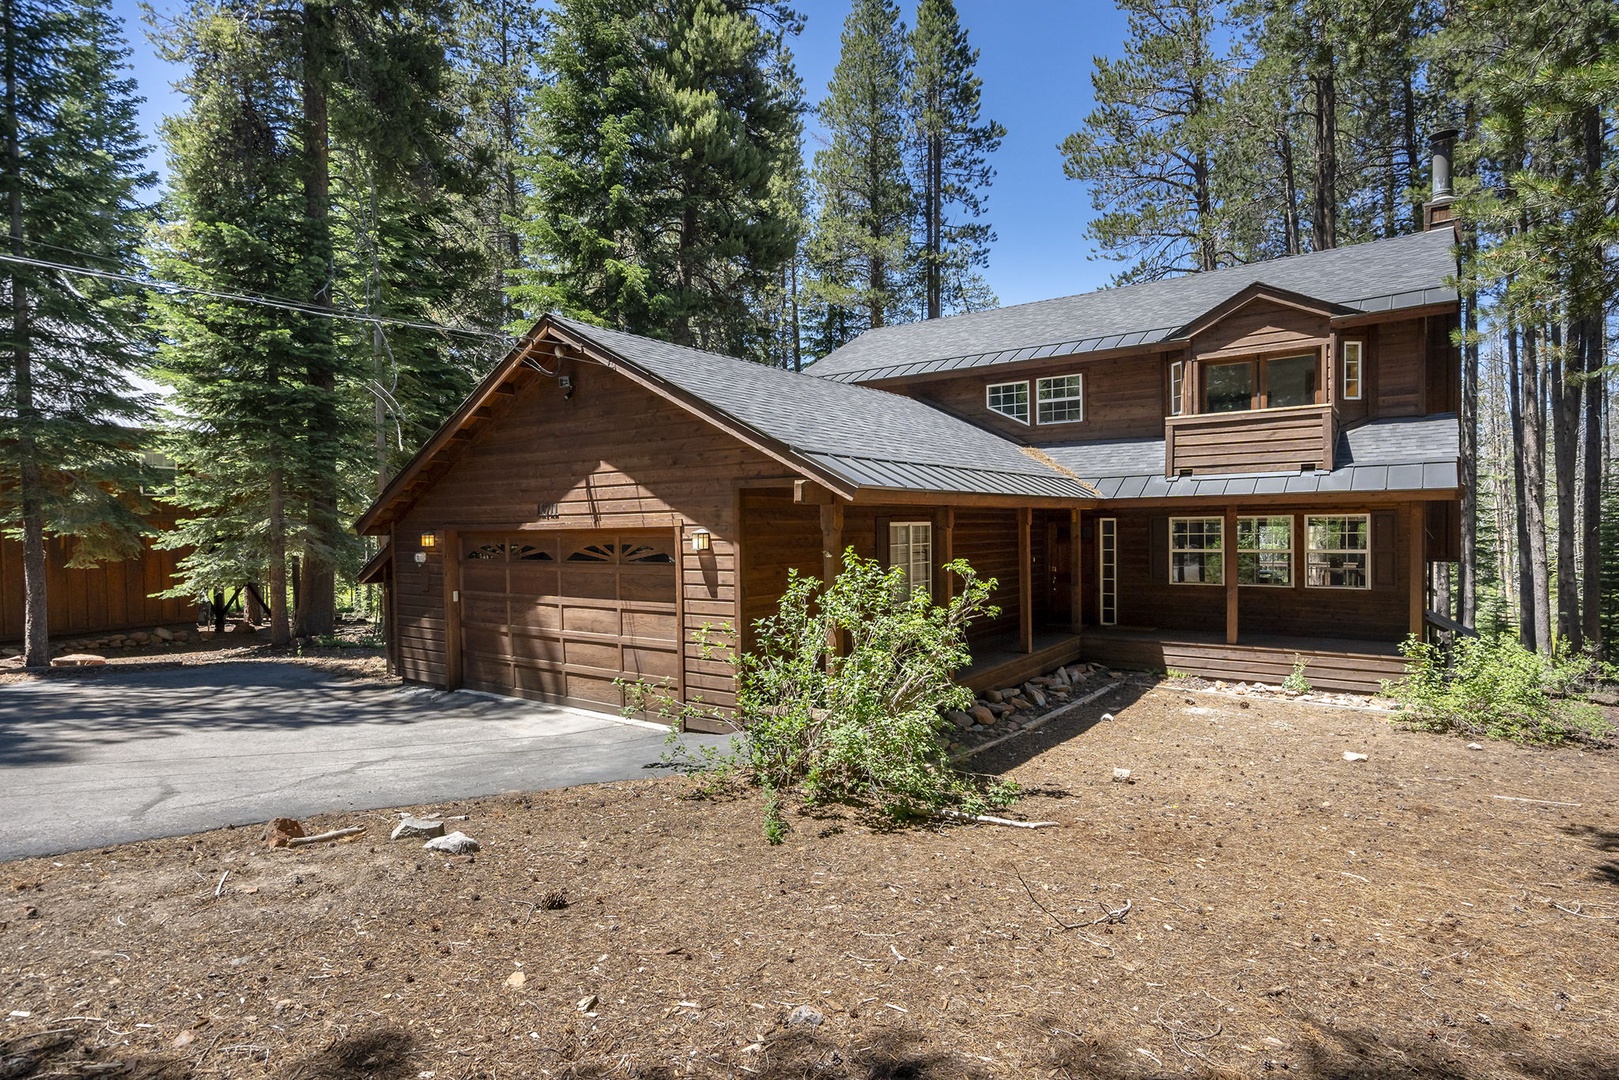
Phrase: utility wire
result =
(262, 301)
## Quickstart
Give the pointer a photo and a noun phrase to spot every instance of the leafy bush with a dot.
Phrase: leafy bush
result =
(1495, 687)
(841, 700)
(1296, 680)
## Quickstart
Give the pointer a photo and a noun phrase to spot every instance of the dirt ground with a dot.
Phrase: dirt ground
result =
(353, 656)
(1249, 903)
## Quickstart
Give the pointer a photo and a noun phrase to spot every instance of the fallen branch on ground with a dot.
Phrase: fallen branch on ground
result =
(335, 834)
(985, 819)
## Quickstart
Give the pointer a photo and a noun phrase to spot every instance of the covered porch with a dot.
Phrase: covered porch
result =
(1343, 664)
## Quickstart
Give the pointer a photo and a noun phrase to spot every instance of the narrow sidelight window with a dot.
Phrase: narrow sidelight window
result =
(1061, 400)
(1010, 399)
(1338, 551)
(1353, 362)
(1177, 387)
(1107, 571)
(1265, 550)
(1196, 553)
(910, 547)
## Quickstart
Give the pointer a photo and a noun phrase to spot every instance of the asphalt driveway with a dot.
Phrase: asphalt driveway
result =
(118, 757)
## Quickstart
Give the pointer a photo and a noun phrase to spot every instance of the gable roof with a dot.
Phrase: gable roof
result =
(844, 436)
(1385, 275)
(866, 438)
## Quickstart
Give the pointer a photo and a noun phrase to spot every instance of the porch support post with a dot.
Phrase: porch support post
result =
(1418, 528)
(832, 558)
(1229, 545)
(450, 555)
(947, 551)
(1025, 584)
(1076, 562)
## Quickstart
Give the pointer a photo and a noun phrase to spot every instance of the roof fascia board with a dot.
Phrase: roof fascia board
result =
(1279, 502)
(1366, 318)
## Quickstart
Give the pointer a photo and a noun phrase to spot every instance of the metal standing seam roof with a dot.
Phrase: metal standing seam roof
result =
(1404, 454)
(1381, 276)
(870, 438)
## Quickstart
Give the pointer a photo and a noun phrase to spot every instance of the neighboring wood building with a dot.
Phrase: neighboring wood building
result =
(111, 596)
(1214, 473)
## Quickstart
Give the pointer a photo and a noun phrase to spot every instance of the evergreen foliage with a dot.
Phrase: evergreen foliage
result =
(663, 132)
(862, 250)
(952, 145)
(71, 175)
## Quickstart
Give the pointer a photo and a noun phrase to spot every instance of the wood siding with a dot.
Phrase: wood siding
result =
(112, 596)
(1125, 398)
(1147, 601)
(613, 456)
(1264, 440)
(1262, 327)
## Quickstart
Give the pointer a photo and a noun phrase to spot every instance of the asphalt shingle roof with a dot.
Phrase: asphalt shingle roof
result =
(1385, 275)
(1406, 454)
(870, 438)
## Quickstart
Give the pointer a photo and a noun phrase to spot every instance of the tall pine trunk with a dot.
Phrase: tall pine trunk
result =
(279, 632)
(1520, 519)
(1467, 569)
(933, 198)
(316, 613)
(1596, 399)
(1565, 403)
(36, 633)
(1532, 507)
(1324, 221)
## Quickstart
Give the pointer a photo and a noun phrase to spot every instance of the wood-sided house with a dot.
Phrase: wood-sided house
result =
(1214, 473)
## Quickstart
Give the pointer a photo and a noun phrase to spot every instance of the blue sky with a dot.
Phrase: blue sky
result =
(1035, 62)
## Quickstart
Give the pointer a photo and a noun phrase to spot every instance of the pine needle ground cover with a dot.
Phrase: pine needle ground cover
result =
(1249, 904)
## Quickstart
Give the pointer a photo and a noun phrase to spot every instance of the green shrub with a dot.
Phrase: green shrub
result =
(840, 701)
(1495, 687)
(1296, 680)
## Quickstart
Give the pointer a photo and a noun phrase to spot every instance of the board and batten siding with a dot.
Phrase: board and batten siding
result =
(613, 456)
(110, 596)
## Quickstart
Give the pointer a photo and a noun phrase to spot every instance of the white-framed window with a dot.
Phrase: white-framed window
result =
(1010, 399)
(1196, 551)
(1265, 550)
(1338, 551)
(1107, 571)
(910, 547)
(1354, 365)
(1060, 399)
(1177, 387)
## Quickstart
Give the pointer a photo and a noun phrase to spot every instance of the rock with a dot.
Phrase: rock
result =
(1038, 697)
(1121, 776)
(1474, 746)
(959, 719)
(516, 980)
(456, 843)
(182, 635)
(588, 1002)
(1009, 693)
(992, 696)
(1060, 677)
(78, 660)
(163, 633)
(1020, 703)
(1107, 716)
(1000, 710)
(1012, 724)
(1350, 755)
(140, 637)
(282, 829)
(982, 714)
(411, 828)
(804, 1016)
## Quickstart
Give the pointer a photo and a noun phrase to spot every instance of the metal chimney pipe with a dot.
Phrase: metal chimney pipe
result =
(1442, 144)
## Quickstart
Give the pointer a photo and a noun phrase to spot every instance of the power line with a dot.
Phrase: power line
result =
(261, 301)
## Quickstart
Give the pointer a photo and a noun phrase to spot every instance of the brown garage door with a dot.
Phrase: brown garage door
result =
(559, 616)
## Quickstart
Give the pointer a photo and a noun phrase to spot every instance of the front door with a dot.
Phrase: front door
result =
(1059, 574)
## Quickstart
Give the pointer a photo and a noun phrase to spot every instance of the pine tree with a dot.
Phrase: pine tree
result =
(71, 175)
(952, 148)
(1148, 150)
(861, 249)
(661, 136)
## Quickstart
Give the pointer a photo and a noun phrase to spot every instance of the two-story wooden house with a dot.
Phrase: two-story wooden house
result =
(1215, 473)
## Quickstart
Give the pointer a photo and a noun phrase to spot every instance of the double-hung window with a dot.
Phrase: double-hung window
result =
(1010, 399)
(1196, 551)
(1060, 400)
(1354, 360)
(1338, 551)
(910, 548)
(1265, 550)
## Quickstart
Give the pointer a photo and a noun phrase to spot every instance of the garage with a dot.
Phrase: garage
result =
(560, 615)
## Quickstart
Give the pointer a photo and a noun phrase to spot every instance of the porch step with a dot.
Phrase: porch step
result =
(1351, 672)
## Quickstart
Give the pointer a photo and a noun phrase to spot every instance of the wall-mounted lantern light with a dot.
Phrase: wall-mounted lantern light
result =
(429, 541)
(700, 539)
